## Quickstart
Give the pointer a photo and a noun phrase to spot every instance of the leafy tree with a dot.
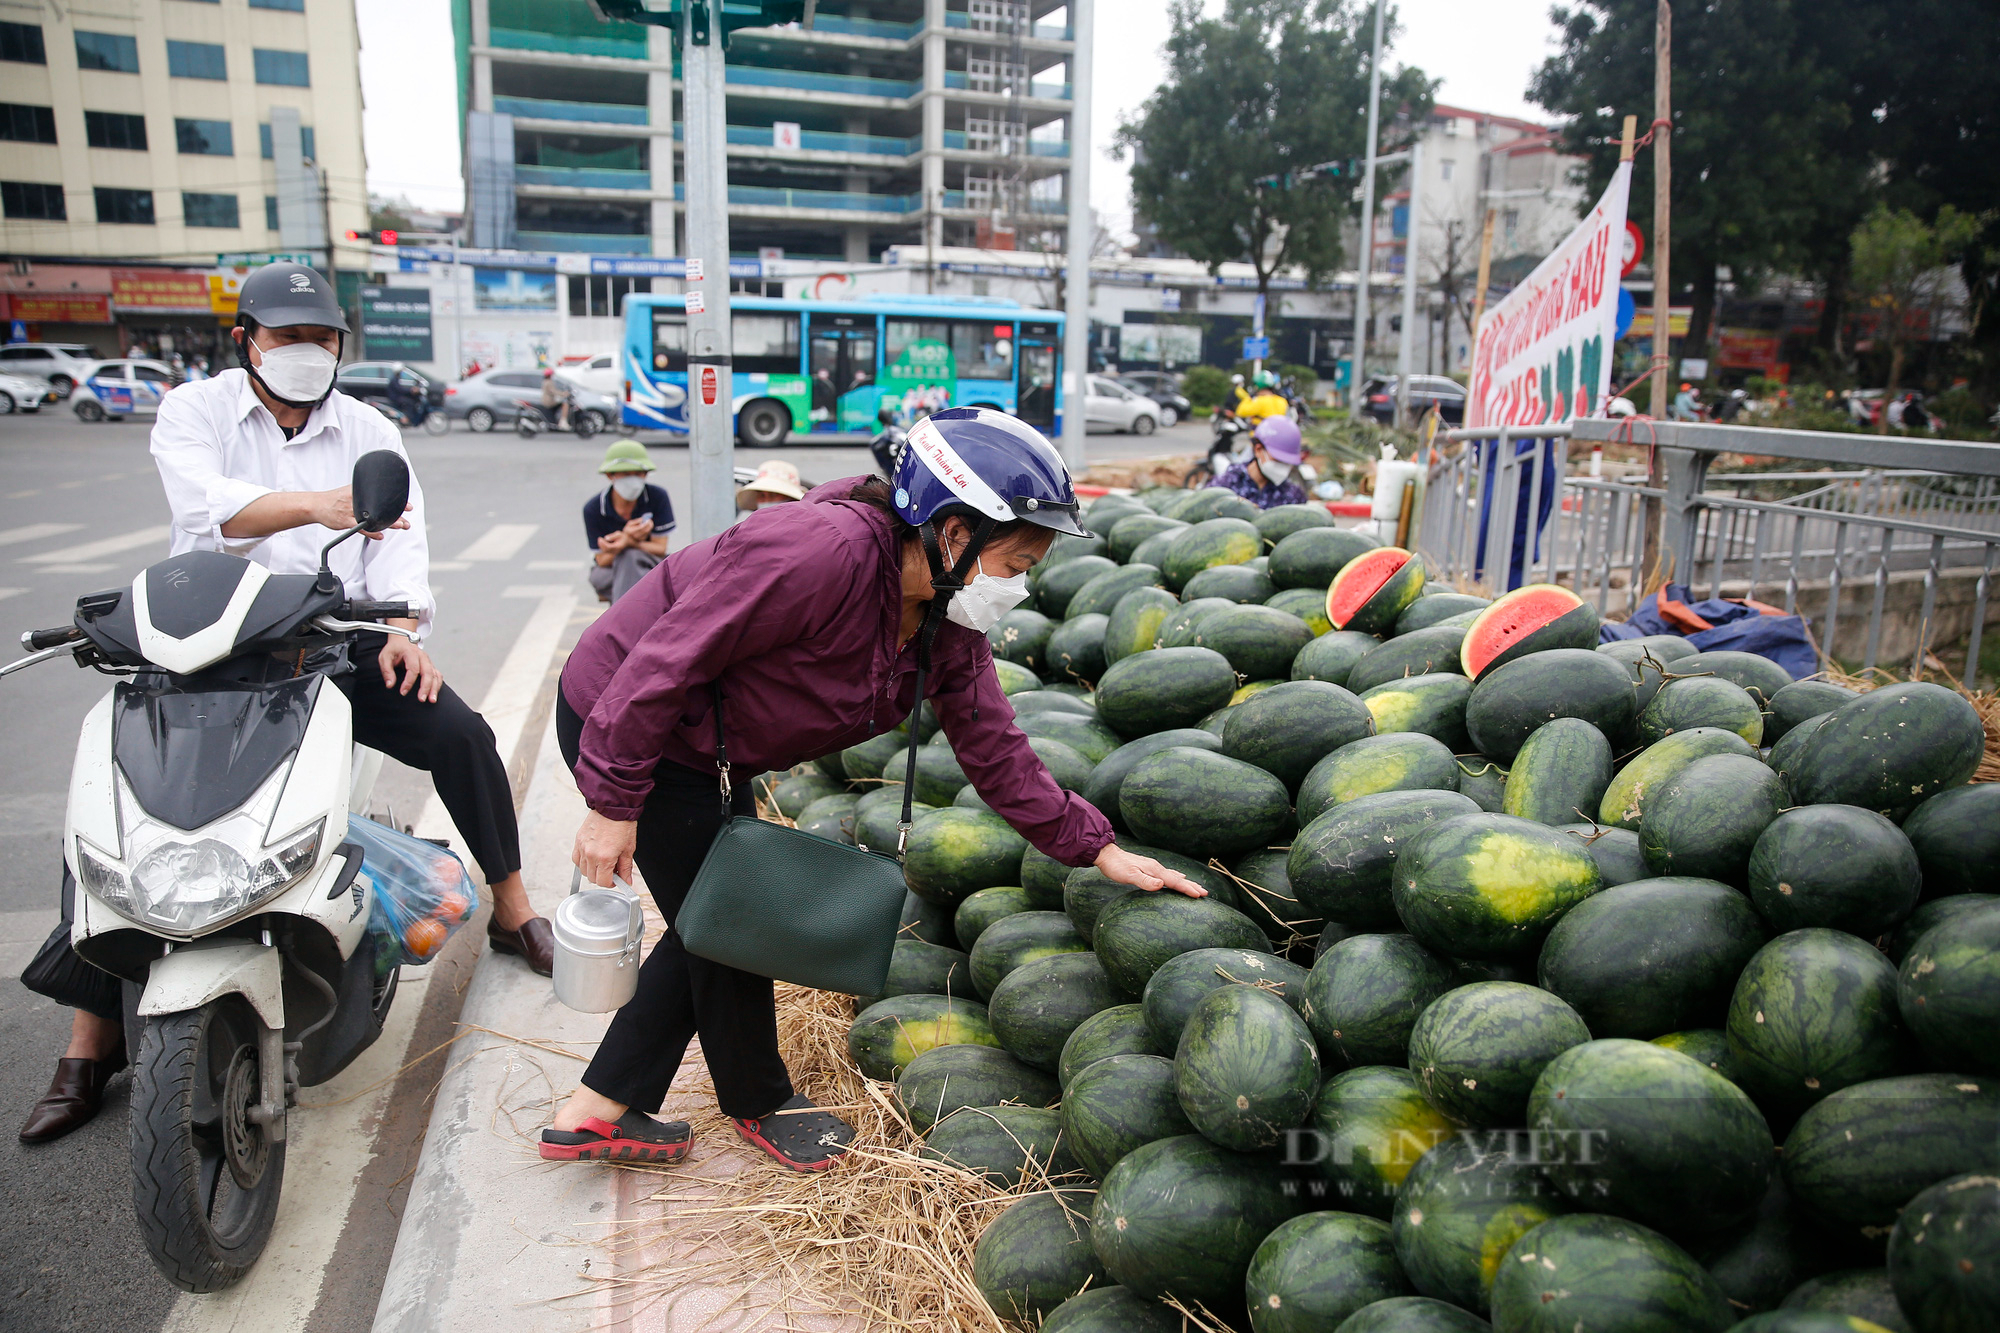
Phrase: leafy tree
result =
(1896, 269)
(1269, 87)
(1770, 168)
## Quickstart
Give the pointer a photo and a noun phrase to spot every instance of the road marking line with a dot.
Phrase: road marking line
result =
(5, 593)
(502, 541)
(34, 532)
(556, 566)
(22, 495)
(328, 1147)
(109, 546)
(74, 569)
(450, 566)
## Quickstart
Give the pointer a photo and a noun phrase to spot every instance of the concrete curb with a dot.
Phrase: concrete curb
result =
(491, 1234)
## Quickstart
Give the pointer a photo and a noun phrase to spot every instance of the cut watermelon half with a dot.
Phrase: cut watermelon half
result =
(1373, 589)
(1527, 620)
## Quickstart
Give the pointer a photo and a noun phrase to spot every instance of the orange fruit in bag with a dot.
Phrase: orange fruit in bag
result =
(424, 937)
(451, 906)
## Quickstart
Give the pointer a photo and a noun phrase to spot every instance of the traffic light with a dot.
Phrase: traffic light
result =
(386, 236)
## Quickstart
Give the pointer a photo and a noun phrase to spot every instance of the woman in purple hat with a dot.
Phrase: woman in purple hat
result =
(1269, 478)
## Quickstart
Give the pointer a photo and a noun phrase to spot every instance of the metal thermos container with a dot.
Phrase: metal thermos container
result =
(598, 934)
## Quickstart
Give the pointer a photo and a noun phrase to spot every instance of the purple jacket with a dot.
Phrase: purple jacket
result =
(796, 609)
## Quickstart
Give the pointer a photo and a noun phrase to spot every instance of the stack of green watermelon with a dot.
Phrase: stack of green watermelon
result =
(1536, 983)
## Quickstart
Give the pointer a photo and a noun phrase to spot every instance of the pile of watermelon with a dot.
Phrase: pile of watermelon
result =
(1537, 985)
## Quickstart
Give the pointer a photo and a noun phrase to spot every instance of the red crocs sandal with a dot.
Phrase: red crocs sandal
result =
(636, 1137)
(799, 1135)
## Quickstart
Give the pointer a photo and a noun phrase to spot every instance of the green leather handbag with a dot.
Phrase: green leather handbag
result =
(783, 903)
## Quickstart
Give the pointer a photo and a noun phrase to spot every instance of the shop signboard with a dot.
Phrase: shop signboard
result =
(160, 290)
(396, 323)
(57, 307)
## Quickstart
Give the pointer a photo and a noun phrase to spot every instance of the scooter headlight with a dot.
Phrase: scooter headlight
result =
(191, 885)
(188, 882)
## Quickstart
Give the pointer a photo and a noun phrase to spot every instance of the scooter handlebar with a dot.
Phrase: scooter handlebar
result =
(35, 640)
(360, 610)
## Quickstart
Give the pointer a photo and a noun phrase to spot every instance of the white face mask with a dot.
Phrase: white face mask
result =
(297, 372)
(629, 488)
(980, 604)
(1274, 471)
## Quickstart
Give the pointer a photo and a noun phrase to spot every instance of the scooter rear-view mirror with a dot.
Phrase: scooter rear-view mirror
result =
(381, 489)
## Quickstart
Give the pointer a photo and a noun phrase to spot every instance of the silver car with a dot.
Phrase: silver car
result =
(24, 393)
(1112, 406)
(58, 363)
(491, 396)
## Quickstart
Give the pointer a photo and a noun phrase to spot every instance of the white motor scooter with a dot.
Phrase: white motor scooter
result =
(206, 841)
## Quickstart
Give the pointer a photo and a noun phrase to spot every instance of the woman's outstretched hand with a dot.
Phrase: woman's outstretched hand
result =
(604, 848)
(1141, 872)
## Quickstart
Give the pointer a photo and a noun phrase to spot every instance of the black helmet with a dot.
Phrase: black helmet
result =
(282, 295)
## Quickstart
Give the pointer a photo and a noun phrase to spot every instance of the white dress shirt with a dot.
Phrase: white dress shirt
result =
(219, 448)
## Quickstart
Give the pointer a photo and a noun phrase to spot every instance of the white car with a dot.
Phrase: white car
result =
(598, 375)
(58, 363)
(1111, 406)
(24, 393)
(126, 387)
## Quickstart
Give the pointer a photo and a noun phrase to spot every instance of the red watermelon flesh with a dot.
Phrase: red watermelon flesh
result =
(1527, 620)
(1367, 585)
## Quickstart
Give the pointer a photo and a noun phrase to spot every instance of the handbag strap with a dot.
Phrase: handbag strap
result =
(721, 751)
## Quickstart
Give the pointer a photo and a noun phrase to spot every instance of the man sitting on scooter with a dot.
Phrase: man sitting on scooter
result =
(256, 462)
(1269, 477)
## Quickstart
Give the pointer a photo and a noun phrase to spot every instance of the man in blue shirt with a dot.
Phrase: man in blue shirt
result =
(1269, 478)
(626, 523)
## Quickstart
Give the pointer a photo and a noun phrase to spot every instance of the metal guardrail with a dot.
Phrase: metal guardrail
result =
(1508, 508)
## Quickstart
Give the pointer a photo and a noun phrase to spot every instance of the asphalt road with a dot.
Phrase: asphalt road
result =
(80, 510)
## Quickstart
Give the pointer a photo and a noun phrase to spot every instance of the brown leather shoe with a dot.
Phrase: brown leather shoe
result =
(72, 1100)
(534, 941)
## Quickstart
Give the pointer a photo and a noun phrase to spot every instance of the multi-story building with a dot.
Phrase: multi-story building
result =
(893, 122)
(179, 130)
(1473, 162)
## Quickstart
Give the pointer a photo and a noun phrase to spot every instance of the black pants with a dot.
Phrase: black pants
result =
(681, 996)
(450, 742)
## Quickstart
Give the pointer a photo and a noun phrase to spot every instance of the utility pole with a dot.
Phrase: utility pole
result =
(1663, 181)
(1405, 362)
(1357, 362)
(710, 413)
(1076, 282)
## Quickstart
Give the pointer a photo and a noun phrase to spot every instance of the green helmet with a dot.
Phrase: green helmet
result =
(1265, 380)
(626, 456)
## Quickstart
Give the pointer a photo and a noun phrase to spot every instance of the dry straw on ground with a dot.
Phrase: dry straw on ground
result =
(883, 1241)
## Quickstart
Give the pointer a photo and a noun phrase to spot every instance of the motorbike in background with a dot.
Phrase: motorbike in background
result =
(887, 446)
(1229, 443)
(207, 847)
(533, 419)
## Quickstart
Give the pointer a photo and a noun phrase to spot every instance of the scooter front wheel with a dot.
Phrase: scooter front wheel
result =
(205, 1176)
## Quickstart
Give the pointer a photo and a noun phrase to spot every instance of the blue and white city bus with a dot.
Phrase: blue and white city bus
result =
(830, 366)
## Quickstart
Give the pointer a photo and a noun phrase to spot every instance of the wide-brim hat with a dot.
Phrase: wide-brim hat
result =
(775, 477)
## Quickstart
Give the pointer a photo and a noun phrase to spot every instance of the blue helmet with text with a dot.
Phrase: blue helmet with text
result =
(978, 463)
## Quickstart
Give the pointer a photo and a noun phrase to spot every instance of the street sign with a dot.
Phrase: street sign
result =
(1635, 248)
(258, 258)
(708, 386)
(396, 323)
(17, 332)
(1256, 349)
